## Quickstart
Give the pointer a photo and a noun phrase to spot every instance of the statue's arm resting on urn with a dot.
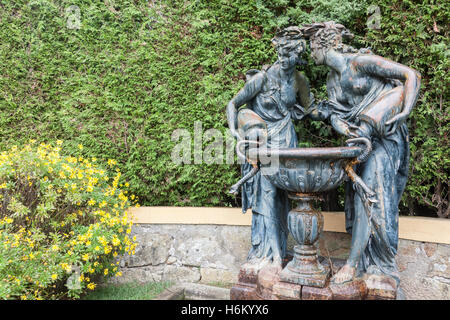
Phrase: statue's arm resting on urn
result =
(386, 69)
(251, 88)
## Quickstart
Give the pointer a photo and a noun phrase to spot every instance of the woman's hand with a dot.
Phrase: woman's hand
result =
(319, 111)
(363, 130)
(396, 121)
(298, 112)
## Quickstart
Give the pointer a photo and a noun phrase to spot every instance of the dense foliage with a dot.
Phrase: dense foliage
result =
(63, 221)
(134, 71)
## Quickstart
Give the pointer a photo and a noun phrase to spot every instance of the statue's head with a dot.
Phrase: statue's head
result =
(324, 36)
(289, 44)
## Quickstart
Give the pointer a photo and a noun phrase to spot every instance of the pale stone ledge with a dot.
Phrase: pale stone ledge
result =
(433, 230)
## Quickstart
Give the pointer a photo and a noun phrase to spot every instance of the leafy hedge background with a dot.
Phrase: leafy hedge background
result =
(137, 70)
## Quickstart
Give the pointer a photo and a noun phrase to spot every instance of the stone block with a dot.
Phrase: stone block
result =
(200, 251)
(380, 287)
(248, 274)
(315, 293)
(352, 290)
(140, 275)
(196, 291)
(152, 249)
(287, 291)
(210, 275)
(181, 274)
(267, 277)
(243, 292)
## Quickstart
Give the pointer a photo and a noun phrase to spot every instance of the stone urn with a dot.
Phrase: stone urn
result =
(306, 173)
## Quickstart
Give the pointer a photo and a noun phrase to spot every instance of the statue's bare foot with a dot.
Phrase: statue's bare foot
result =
(276, 266)
(258, 263)
(345, 274)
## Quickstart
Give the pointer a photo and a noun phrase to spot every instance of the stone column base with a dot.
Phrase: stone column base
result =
(266, 285)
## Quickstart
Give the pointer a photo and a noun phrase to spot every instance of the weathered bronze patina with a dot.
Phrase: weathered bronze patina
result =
(370, 98)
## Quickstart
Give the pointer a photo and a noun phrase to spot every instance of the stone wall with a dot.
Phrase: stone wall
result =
(214, 253)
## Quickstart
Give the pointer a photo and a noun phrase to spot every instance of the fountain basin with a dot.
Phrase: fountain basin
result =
(305, 173)
(305, 170)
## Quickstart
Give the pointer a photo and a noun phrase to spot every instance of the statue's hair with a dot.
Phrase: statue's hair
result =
(290, 38)
(328, 34)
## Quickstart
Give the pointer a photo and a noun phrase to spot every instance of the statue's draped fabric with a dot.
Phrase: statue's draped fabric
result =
(385, 172)
(269, 204)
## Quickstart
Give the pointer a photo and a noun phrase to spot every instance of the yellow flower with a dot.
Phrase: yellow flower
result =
(54, 276)
(91, 202)
(66, 267)
(85, 257)
(91, 286)
(119, 274)
(105, 272)
(59, 142)
(80, 146)
(115, 241)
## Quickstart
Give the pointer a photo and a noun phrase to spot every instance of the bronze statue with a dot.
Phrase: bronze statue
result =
(371, 97)
(277, 94)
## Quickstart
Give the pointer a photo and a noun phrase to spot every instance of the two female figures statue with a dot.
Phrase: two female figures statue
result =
(368, 96)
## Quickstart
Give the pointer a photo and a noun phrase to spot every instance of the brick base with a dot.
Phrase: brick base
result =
(266, 285)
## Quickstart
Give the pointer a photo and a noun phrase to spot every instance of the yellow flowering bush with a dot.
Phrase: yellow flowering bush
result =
(63, 221)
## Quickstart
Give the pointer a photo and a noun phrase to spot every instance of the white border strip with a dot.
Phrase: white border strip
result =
(412, 228)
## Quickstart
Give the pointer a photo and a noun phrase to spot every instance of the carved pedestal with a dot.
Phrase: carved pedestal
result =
(268, 285)
(305, 224)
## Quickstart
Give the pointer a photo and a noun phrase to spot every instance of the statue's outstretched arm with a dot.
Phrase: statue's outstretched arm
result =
(248, 92)
(384, 68)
